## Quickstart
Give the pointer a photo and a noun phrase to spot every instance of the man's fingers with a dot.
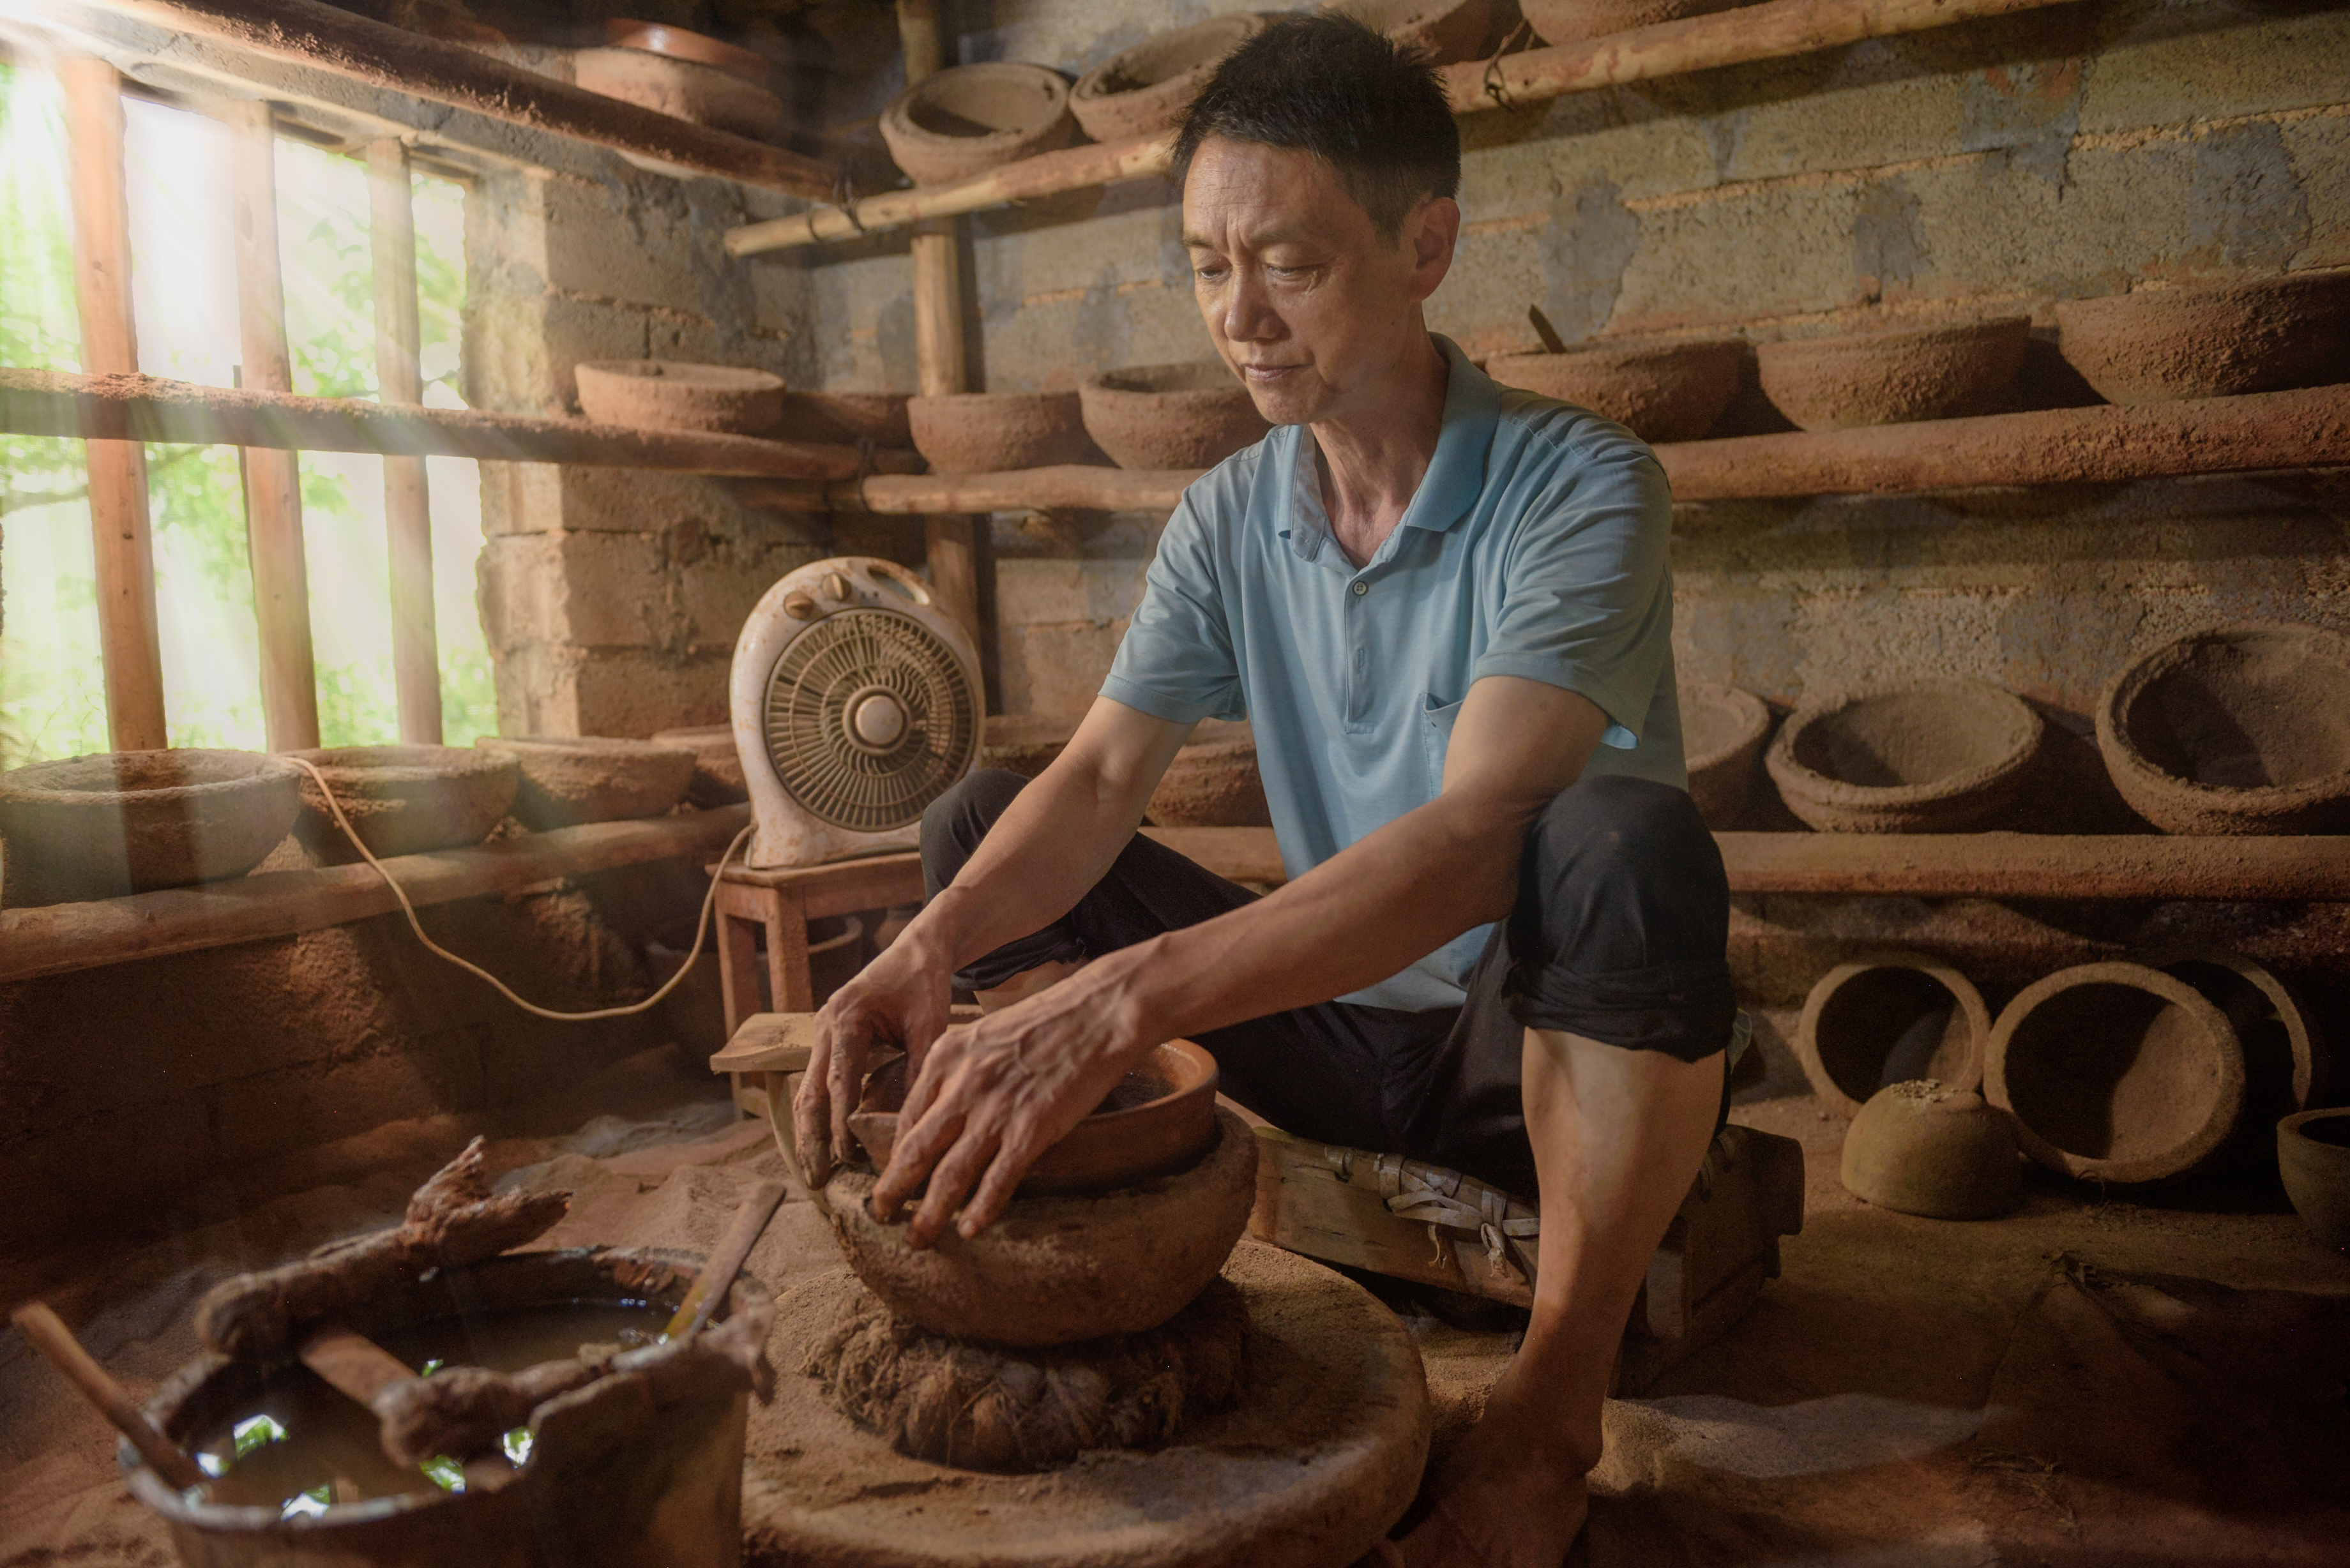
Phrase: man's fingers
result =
(919, 1144)
(951, 1178)
(809, 1115)
(845, 1081)
(996, 1188)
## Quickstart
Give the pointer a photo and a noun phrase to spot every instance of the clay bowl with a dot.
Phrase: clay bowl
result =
(1056, 1270)
(404, 800)
(2285, 1059)
(848, 417)
(677, 44)
(2241, 729)
(1894, 377)
(1722, 733)
(1213, 782)
(1662, 391)
(970, 119)
(1026, 743)
(2210, 340)
(682, 89)
(1146, 89)
(1929, 755)
(126, 822)
(1922, 1147)
(2116, 1071)
(1559, 21)
(990, 433)
(1444, 30)
(662, 394)
(568, 779)
(717, 764)
(1169, 416)
(1888, 1020)
(2314, 1156)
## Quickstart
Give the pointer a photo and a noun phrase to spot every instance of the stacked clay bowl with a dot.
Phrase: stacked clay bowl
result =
(1170, 416)
(848, 418)
(717, 763)
(2210, 340)
(404, 800)
(1932, 756)
(970, 119)
(568, 779)
(662, 394)
(126, 821)
(1663, 391)
(685, 85)
(1146, 89)
(1871, 1023)
(2241, 729)
(1923, 1147)
(995, 433)
(1558, 22)
(2287, 1067)
(1443, 30)
(1894, 377)
(2314, 1156)
(1722, 733)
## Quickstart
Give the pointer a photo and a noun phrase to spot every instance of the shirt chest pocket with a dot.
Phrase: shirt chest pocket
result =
(1436, 736)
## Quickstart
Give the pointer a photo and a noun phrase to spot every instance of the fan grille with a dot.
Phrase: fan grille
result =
(843, 779)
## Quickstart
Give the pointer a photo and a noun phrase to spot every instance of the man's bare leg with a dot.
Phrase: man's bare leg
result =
(1617, 1137)
(1026, 985)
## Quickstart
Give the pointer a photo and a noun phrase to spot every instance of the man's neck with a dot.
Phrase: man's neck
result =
(1373, 459)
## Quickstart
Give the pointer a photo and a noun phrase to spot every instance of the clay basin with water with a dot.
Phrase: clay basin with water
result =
(126, 822)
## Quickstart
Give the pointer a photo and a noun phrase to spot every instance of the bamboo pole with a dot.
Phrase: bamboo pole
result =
(272, 484)
(120, 542)
(407, 501)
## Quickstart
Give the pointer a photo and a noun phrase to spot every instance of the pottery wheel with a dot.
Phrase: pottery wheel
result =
(1318, 1456)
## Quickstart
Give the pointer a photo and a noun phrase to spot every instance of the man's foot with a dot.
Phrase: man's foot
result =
(1499, 1504)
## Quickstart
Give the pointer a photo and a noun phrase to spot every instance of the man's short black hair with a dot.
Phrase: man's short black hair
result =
(1327, 85)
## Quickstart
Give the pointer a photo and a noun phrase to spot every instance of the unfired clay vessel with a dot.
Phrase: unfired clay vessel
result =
(685, 89)
(1664, 391)
(568, 779)
(848, 416)
(1722, 733)
(1170, 416)
(1562, 22)
(969, 118)
(1927, 755)
(1213, 782)
(1444, 30)
(126, 822)
(2287, 1066)
(2241, 729)
(991, 433)
(676, 42)
(2314, 1156)
(1887, 1020)
(2117, 1073)
(1896, 376)
(662, 394)
(2211, 339)
(404, 800)
(1144, 90)
(717, 764)
(1922, 1147)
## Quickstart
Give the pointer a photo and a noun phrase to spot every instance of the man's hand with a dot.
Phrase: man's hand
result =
(901, 998)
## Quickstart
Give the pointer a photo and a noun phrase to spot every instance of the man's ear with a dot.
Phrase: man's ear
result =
(1428, 235)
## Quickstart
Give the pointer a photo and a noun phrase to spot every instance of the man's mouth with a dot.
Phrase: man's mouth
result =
(1267, 373)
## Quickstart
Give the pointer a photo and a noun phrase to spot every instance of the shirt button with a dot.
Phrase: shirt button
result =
(1362, 588)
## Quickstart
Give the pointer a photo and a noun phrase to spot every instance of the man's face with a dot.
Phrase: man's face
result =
(1305, 298)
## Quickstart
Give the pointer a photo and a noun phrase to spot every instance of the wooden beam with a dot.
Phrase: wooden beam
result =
(407, 500)
(120, 542)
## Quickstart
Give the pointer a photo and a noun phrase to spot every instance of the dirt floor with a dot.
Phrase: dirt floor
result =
(2090, 1381)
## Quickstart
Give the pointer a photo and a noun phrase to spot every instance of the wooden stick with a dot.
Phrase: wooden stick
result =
(50, 1337)
(120, 542)
(352, 1363)
(407, 503)
(717, 1276)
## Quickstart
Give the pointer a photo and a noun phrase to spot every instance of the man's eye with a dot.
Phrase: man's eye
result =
(1209, 273)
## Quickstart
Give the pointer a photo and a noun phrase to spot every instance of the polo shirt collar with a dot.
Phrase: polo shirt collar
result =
(1455, 476)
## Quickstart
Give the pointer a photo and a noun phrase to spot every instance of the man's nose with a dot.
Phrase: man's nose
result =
(1248, 314)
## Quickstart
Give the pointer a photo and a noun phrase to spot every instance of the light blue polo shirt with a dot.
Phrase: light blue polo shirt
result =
(1537, 546)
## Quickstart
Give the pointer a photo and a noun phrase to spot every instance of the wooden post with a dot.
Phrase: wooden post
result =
(406, 507)
(272, 488)
(119, 525)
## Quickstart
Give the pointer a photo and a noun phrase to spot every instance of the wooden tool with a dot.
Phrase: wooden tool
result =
(53, 1339)
(717, 1276)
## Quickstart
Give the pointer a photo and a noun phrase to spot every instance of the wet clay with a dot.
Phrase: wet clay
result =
(847, 417)
(566, 781)
(1890, 1019)
(404, 800)
(1722, 733)
(1170, 416)
(684, 89)
(1923, 1147)
(1664, 391)
(662, 394)
(2313, 1157)
(1213, 782)
(969, 118)
(1906, 756)
(1144, 90)
(1559, 21)
(1894, 377)
(717, 764)
(993, 432)
(2209, 340)
(1444, 30)
(125, 821)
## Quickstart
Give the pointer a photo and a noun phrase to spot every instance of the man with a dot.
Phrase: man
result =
(1447, 607)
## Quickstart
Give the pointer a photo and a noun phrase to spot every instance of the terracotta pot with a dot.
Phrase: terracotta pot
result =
(1929, 755)
(404, 800)
(568, 779)
(1054, 1271)
(126, 822)
(1025, 743)
(660, 394)
(2241, 729)
(1896, 376)
(847, 417)
(1170, 416)
(1146, 89)
(1922, 1147)
(1887, 1020)
(1444, 30)
(676, 42)
(2314, 1156)
(717, 765)
(2211, 339)
(684, 89)
(1722, 733)
(1562, 22)
(991, 433)
(2115, 1073)
(1213, 782)
(2286, 1064)
(1664, 391)
(970, 119)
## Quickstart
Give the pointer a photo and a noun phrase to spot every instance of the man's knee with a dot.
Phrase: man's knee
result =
(1613, 829)
(953, 823)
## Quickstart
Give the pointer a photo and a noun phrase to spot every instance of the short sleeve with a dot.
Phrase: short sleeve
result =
(1587, 588)
(1177, 661)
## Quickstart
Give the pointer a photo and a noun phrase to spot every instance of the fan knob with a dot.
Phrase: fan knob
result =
(836, 586)
(876, 719)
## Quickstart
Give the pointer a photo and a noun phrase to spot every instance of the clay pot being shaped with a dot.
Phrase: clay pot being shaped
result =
(126, 821)
(1562, 22)
(2314, 1156)
(2211, 339)
(684, 89)
(1170, 416)
(404, 800)
(568, 779)
(662, 394)
(2286, 1066)
(1888, 1020)
(1146, 89)
(2241, 729)
(1663, 391)
(993, 432)
(1922, 1147)
(846, 418)
(968, 120)
(1056, 1270)
(1213, 782)
(2116, 1071)
(1443, 30)
(717, 764)
(1722, 733)
(1894, 377)
(677, 44)
(1930, 756)
(1026, 743)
